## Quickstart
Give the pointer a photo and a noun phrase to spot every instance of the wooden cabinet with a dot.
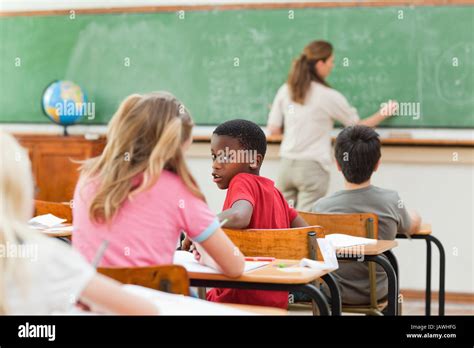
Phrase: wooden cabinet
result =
(52, 158)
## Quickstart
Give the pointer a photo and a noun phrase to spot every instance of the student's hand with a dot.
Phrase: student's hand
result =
(415, 221)
(186, 244)
(197, 255)
(389, 108)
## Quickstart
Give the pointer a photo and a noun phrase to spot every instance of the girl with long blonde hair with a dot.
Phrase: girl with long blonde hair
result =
(139, 194)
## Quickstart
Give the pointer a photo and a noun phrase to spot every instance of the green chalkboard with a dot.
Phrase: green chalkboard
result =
(225, 64)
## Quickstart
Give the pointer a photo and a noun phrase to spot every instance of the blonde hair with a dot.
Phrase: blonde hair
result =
(303, 70)
(145, 135)
(16, 206)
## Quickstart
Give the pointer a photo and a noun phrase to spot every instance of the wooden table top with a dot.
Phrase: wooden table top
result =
(271, 273)
(425, 229)
(373, 249)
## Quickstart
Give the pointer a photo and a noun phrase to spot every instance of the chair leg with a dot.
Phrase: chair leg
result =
(202, 293)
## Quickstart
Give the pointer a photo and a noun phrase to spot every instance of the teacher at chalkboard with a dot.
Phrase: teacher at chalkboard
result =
(304, 111)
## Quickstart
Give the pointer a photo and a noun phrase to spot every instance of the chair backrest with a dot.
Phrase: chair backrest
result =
(170, 278)
(61, 210)
(288, 243)
(359, 224)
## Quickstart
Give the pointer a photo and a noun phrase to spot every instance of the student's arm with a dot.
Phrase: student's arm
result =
(227, 257)
(107, 296)
(415, 222)
(298, 222)
(239, 215)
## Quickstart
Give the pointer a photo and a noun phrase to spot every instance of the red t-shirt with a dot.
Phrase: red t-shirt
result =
(270, 210)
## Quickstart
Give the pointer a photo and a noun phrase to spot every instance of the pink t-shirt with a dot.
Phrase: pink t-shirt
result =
(145, 230)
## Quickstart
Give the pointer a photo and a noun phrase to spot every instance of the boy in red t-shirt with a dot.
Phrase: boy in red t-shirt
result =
(238, 148)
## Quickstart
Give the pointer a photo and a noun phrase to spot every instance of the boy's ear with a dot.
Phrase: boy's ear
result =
(377, 165)
(256, 162)
(338, 166)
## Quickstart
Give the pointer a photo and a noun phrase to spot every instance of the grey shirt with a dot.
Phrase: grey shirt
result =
(353, 277)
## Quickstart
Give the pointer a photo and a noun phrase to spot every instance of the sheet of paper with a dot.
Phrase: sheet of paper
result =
(187, 260)
(339, 240)
(170, 304)
(328, 252)
(68, 228)
(46, 221)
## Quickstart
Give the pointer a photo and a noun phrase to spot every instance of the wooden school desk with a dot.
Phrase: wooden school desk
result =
(270, 277)
(374, 253)
(425, 233)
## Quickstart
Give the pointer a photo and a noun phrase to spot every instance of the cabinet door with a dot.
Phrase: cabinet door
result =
(56, 174)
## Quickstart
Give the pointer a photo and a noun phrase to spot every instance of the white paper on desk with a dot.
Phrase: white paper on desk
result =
(339, 240)
(329, 256)
(68, 228)
(187, 260)
(46, 221)
(170, 304)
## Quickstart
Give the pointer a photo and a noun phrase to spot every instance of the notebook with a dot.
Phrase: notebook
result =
(339, 240)
(187, 260)
(46, 221)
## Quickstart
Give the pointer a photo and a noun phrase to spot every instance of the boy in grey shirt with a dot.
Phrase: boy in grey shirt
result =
(358, 156)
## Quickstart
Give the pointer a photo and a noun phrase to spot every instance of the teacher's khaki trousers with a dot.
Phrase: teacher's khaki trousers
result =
(302, 182)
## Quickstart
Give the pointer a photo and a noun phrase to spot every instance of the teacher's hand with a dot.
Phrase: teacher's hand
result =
(389, 108)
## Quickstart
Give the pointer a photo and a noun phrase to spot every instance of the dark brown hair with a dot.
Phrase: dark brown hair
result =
(357, 152)
(303, 70)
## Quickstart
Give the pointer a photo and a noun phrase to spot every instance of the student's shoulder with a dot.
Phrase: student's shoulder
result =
(55, 255)
(170, 185)
(169, 180)
(327, 202)
(386, 194)
(386, 198)
(245, 178)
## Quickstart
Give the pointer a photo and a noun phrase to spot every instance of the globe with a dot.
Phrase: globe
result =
(64, 102)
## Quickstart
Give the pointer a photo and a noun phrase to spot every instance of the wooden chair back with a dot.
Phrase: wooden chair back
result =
(61, 210)
(359, 225)
(169, 278)
(288, 243)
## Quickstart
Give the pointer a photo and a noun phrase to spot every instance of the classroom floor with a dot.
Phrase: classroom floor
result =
(410, 307)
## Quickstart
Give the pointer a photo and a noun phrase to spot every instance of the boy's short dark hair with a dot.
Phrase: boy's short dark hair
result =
(249, 134)
(357, 152)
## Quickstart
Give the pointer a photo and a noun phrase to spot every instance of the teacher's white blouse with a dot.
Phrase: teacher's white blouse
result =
(307, 127)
